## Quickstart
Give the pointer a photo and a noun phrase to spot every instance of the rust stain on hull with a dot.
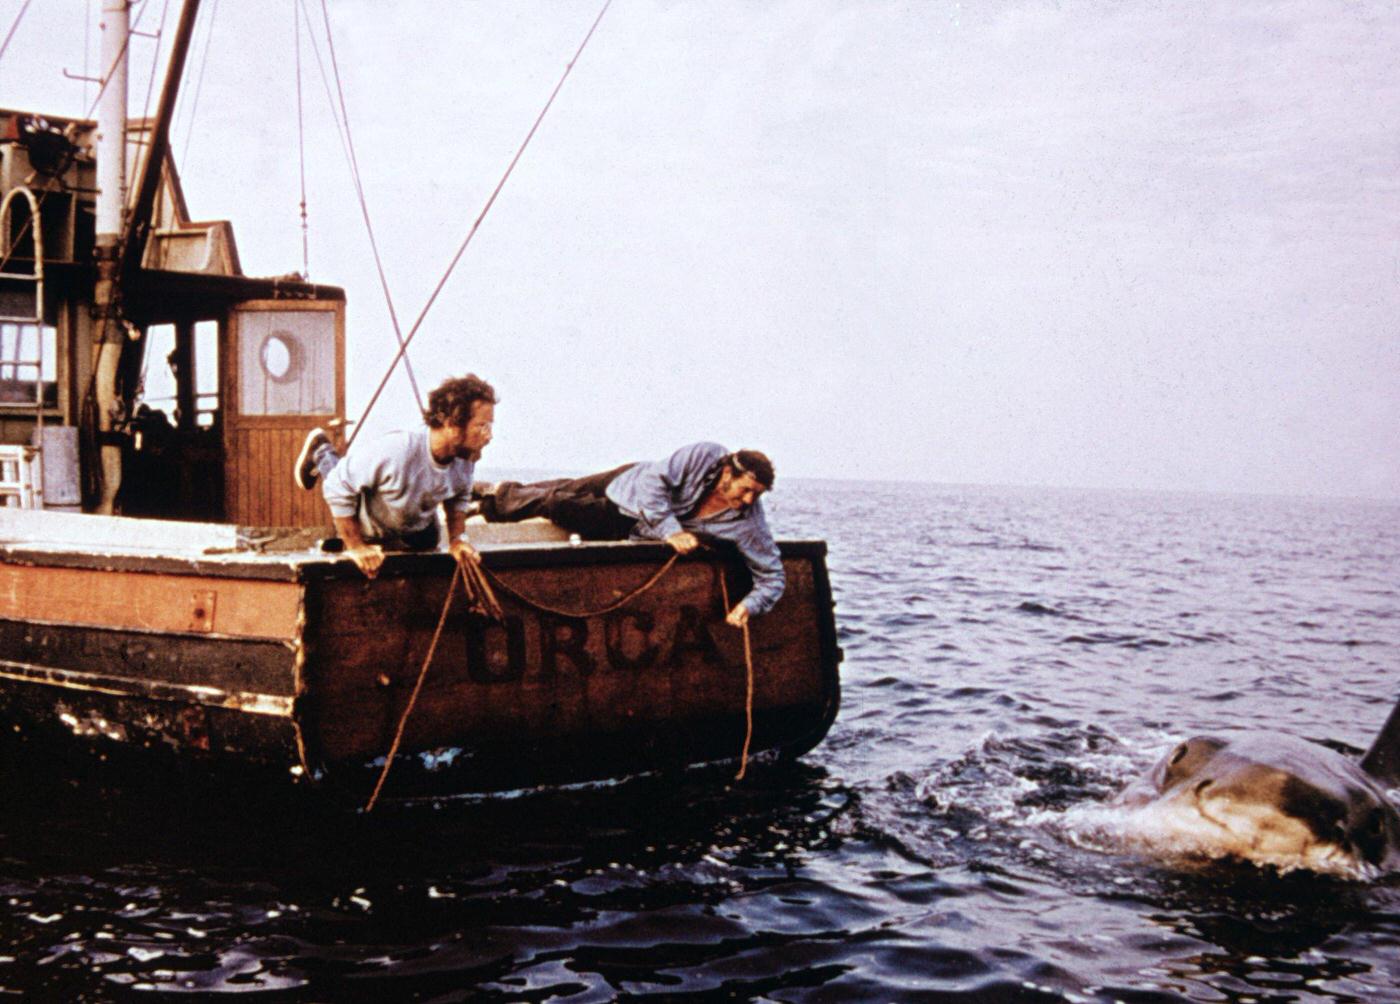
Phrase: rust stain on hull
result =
(149, 601)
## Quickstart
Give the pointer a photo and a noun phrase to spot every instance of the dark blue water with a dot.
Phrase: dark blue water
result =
(1012, 656)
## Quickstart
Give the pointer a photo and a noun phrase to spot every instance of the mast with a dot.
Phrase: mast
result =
(111, 201)
(121, 243)
(111, 125)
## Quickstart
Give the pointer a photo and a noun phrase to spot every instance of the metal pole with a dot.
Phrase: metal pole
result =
(111, 123)
(111, 207)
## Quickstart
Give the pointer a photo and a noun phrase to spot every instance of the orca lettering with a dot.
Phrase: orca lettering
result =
(573, 645)
(489, 663)
(616, 644)
(693, 635)
(630, 641)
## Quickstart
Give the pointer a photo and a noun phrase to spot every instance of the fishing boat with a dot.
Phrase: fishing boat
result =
(165, 588)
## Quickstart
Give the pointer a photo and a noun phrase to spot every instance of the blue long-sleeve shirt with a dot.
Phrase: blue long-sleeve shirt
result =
(393, 486)
(663, 495)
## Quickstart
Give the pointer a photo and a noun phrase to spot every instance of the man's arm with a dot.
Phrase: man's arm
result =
(367, 557)
(343, 489)
(460, 547)
(652, 489)
(761, 555)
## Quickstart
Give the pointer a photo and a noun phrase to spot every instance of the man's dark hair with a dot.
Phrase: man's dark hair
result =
(755, 463)
(451, 403)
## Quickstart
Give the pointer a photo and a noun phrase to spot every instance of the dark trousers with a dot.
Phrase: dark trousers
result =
(425, 539)
(579, 505)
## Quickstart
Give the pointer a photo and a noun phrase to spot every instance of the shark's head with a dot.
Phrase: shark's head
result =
(1268, 798)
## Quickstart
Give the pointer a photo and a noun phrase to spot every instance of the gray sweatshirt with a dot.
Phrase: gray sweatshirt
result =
(663, 494)
(394, 486)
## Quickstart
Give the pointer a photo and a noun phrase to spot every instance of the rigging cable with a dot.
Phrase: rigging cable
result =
(199, 82)
(325, 80)
(403, 347)
(143, 137)
(364, 210)
(14, 28)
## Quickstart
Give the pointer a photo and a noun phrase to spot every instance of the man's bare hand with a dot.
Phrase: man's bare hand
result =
(462, 550)
(367, 558)
(683, 542)
(738, 617)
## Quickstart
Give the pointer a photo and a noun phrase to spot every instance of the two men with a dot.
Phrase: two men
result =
(700, 491)
(386, 494)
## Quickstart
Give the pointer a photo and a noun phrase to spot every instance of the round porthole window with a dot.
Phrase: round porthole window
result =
(281, 357)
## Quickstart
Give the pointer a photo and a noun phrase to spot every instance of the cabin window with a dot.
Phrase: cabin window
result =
(188, 399)
(286, 363)
(157, 378)
(28, 356)
(206, 373)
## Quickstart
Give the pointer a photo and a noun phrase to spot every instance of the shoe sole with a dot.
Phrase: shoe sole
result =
(304, 475)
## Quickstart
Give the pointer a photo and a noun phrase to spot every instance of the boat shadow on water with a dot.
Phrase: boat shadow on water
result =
(151, 801)
(177, 876)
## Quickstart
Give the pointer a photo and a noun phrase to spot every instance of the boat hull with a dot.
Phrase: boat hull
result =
(299, 661)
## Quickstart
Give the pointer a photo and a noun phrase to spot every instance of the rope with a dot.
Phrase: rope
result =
(199, 81)
(403, 347)
(480, 600)
(479, 592)
(583, 614)
(413, 697)
(23, 230)
(748, 691)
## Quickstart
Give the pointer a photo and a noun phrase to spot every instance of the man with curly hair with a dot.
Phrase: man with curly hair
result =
(385, 494)
(701, 492)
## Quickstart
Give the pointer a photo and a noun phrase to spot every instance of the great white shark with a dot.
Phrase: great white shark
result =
(1271, 799)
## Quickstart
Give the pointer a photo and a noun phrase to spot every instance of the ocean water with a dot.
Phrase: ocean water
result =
(1012, 657)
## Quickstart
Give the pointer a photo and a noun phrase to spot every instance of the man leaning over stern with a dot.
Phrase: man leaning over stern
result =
(385, 493)
(702, 491)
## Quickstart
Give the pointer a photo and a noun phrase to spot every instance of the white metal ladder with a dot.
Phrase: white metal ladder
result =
(22, 467)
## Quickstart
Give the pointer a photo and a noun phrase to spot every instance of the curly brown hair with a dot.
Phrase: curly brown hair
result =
(451, 402)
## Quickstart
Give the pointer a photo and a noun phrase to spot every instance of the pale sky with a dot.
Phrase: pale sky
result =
(1118, 244)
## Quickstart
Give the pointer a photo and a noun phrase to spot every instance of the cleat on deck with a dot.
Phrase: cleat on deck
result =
(304, 473)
